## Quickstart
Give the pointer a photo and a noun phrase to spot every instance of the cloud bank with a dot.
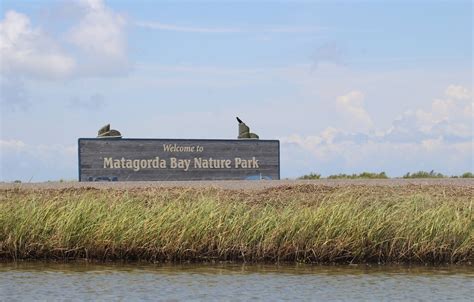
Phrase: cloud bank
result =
(96, 46)
(28, 51)
(437, 138)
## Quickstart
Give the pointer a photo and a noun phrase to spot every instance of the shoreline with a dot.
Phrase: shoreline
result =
(210, 263)
(25, 263)
(239, 184)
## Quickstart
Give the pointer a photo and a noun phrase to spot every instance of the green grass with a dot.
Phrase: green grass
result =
(363, 175)
(310, 176)
(299, 223)
(383, 175)
(424, 174)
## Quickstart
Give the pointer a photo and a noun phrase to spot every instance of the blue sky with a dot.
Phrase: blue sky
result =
(347, 86)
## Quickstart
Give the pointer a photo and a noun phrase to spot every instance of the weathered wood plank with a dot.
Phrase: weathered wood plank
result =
(177, 159)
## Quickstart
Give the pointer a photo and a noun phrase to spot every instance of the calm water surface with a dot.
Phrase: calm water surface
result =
(215, 282)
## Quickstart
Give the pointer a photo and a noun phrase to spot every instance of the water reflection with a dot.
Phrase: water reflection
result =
(88, 281)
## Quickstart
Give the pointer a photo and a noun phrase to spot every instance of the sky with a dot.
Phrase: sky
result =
(346, 86)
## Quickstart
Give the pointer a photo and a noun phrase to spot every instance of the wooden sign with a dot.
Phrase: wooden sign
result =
(114, 159)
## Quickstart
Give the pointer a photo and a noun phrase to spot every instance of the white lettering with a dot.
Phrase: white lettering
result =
(246, 163)
(180, 163)
(183, 164)
(176, 148)
(107, 162)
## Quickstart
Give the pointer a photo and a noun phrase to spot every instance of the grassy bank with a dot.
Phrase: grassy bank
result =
(305, 223)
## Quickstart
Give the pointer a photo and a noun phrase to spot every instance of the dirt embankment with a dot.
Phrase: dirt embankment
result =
(243, 184)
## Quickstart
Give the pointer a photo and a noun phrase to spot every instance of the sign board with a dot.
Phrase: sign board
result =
(115, 159)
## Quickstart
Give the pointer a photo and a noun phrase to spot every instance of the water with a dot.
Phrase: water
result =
(214, 282)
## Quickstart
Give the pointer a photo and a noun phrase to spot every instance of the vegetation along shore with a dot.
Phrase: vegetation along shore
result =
(310, 223)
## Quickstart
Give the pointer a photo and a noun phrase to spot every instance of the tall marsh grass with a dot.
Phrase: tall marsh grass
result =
(305, 223)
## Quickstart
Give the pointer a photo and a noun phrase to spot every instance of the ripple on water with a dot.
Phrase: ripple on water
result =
(84, 281)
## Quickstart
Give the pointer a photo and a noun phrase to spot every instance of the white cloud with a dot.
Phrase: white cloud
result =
(450, 117)
(28, 51)
(100, 32)
(439, 138)
(432, 144)
(458, 92)
(189, 29)
(11, 145)
(98, 39)
(228, 30)
(93, 4)
(96, 46)
(352, 105)
(375, 156)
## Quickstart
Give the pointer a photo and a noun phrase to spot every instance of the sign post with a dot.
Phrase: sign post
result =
(110, 159)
